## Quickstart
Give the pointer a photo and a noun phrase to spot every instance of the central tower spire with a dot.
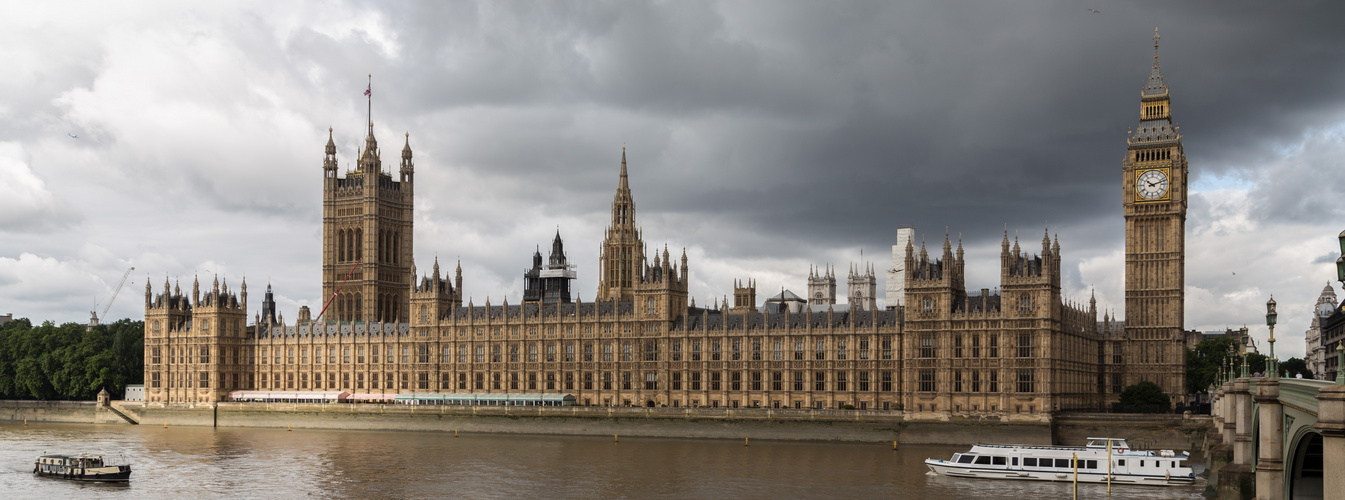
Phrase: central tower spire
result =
(622, 249)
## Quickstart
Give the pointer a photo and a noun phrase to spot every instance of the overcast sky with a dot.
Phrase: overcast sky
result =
(763, 137)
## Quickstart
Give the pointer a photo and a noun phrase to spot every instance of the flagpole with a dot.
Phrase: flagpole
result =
(370, 95)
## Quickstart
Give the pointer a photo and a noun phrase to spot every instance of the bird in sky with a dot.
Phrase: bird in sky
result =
(1095, 11)
(72, 136)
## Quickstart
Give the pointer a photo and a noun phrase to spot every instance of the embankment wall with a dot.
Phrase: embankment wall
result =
(633, 422)
(69, 412)
(1143, 431)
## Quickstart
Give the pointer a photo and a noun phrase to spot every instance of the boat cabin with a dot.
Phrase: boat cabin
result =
(83, 462)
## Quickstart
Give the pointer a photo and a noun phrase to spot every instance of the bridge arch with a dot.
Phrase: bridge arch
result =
(1303, 465)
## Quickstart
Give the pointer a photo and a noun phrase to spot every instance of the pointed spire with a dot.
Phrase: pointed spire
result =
(624, 185)
(331, 143)
(406, 150)
(1155, 86)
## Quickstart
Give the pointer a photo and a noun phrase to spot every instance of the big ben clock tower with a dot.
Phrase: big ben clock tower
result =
(1154, 179)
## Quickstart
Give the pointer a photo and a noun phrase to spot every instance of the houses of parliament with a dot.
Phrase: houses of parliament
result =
(1022, 352)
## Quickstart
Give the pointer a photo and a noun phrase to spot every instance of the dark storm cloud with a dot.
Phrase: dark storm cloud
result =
(763, 135)
(969, 116)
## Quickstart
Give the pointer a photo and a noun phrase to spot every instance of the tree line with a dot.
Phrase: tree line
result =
(1203, 363)
(70, 361)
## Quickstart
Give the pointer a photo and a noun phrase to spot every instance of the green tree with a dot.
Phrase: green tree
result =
(1256, 362)
(1295, 366)
(69, 361)
(1204, 361)
(1145, 393)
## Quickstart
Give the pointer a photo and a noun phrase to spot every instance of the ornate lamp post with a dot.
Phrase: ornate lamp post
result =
(1272, 366)
(1245, 339)
(1340, 344)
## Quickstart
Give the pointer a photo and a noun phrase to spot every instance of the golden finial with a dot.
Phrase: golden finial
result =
(1156, 37)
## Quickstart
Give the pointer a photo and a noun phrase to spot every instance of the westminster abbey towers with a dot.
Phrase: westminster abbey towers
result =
(366, 236)
(1154, 178)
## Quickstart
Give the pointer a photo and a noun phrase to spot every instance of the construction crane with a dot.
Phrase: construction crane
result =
(96, 318)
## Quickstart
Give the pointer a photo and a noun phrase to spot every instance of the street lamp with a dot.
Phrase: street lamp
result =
(1340, 344)
(1272, 366)
(1340, 263)
(1245, 339)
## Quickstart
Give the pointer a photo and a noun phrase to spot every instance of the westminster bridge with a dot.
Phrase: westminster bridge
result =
(1279, 438)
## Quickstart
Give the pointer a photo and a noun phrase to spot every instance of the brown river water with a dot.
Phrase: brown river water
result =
(203, 462)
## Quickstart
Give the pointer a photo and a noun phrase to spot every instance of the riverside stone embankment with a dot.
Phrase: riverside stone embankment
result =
(1165, 431)
(69, 412)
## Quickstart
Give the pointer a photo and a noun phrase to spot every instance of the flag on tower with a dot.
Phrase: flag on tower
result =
(369, 91)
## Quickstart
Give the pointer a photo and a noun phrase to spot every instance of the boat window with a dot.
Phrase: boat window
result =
(1091, 464)
(1141, 463)
(999, 460)
(1029, 462)
(983, 460)
(1121, 463)
(965, 459)
(1174, 464)
(1062, 463)
(1015, 461)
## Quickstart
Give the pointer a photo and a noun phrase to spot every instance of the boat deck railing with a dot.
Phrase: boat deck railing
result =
(1128, 452)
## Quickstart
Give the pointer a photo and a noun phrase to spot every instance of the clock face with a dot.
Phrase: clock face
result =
(1152, 185)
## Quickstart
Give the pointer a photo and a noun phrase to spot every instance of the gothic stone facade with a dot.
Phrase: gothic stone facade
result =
(645, 343)
(1019, 353)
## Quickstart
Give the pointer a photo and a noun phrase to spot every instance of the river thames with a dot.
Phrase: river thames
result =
(179, 462)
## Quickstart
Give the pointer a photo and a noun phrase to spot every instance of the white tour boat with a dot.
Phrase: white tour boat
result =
(1100, 458)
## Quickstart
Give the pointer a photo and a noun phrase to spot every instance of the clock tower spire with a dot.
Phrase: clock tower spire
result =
(1154, 181)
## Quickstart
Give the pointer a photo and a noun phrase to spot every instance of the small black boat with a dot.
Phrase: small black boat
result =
(81, 468)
